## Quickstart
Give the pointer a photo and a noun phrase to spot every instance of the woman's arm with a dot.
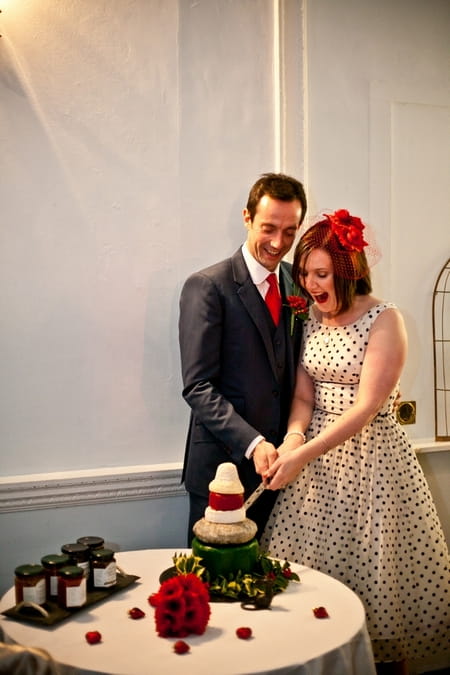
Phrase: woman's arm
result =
(301, 412)
(383, 362)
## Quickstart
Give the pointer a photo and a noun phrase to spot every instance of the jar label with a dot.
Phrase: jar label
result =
(35, 593)
(54, 585)
(85, 566)
(106, 576)
(76, 595)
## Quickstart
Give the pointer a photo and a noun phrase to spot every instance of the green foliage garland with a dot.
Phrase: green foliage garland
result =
(270, 577)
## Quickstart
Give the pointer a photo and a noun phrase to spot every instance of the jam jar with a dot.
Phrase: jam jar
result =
(71, 587)
(52, 563)
(78, 555)
(103, 568)
(30, 584)
(91, 542)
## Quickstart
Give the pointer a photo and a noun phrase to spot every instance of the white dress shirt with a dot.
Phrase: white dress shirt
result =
(258, 274)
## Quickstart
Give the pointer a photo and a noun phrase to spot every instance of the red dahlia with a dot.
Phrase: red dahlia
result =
(181, 606)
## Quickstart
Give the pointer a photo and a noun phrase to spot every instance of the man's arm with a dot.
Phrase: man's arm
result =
(201, 335)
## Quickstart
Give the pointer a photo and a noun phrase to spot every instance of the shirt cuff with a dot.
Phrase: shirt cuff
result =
(252, 446)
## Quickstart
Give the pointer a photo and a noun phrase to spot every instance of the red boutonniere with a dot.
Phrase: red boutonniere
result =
(348, 229)
(299, 308)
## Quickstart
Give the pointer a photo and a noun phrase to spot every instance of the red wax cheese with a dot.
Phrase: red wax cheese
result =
(224, 502)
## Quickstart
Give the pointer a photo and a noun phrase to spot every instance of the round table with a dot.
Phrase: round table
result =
(287, 638)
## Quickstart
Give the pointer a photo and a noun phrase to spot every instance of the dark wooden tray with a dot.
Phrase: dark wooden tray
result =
(56, 614)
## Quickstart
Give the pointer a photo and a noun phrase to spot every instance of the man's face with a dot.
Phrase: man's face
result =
(273, 230)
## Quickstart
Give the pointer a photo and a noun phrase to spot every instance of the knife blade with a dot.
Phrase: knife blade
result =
(254, 496)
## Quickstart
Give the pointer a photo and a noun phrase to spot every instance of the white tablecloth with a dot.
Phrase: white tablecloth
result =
(287, 639)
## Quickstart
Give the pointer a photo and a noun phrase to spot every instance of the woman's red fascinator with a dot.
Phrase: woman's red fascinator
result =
(348, 230)
(342, 235)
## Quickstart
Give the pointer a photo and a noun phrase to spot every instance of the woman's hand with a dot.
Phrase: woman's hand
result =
(291, 442)
(285, 469)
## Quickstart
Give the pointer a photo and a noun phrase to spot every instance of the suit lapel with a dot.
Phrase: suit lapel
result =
(251, 300)
(287, 288)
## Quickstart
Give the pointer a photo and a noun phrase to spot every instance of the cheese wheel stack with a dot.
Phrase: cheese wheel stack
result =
(226, 496)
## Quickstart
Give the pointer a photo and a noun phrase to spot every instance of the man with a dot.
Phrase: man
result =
(238, 363)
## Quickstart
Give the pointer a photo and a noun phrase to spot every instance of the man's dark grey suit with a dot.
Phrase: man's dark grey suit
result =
(238, 375)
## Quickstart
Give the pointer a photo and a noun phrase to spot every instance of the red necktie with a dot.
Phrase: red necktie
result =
(273, 298)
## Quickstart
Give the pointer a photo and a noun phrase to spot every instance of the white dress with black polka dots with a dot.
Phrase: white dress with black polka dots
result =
(363, 512)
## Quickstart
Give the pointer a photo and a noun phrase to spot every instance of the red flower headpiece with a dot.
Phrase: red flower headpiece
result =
(342, 236)
(348, 229)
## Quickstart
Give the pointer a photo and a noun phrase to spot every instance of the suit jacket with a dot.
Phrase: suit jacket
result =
(238, 370)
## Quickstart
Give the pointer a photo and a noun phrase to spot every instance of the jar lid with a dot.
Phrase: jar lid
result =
(55, 560)
(102, 554)
(91, 542)
(73, 549)
(29, 570)
(71, 571)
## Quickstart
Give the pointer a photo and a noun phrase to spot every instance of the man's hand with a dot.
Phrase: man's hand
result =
(264, 455)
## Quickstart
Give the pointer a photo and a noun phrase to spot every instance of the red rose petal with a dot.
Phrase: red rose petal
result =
(136, 613)
(320, 613)
(244, 632)
(181, 647)
(93, 636)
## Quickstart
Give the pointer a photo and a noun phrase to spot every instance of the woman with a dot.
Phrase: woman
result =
(357, 505)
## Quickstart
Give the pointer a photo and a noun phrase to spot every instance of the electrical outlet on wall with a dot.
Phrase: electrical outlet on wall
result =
(406, 412)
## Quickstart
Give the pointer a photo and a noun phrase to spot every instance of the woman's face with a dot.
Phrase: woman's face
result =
(317, 278)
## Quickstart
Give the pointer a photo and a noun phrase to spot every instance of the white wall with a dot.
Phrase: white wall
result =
(378, 126)
(130, 132)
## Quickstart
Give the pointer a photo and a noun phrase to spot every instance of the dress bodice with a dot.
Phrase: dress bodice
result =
(333, 357)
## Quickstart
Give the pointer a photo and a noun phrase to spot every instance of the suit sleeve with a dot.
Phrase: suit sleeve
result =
(202, 316)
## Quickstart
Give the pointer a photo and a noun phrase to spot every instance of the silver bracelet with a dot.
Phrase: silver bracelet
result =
(295, 433)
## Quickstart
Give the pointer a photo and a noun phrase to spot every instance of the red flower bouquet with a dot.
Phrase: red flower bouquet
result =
(348, 229)
(181, 606)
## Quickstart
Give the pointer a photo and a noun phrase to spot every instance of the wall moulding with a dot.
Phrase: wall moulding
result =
(119, 484)
(81, 488)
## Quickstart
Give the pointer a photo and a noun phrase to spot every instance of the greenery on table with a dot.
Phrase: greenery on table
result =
(269, 578)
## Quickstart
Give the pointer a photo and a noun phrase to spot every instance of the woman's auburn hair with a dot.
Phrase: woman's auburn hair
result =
(346, 264)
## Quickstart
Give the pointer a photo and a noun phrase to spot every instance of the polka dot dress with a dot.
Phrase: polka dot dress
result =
(363, 512)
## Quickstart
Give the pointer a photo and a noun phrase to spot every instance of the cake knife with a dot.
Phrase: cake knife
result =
(254, 496)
